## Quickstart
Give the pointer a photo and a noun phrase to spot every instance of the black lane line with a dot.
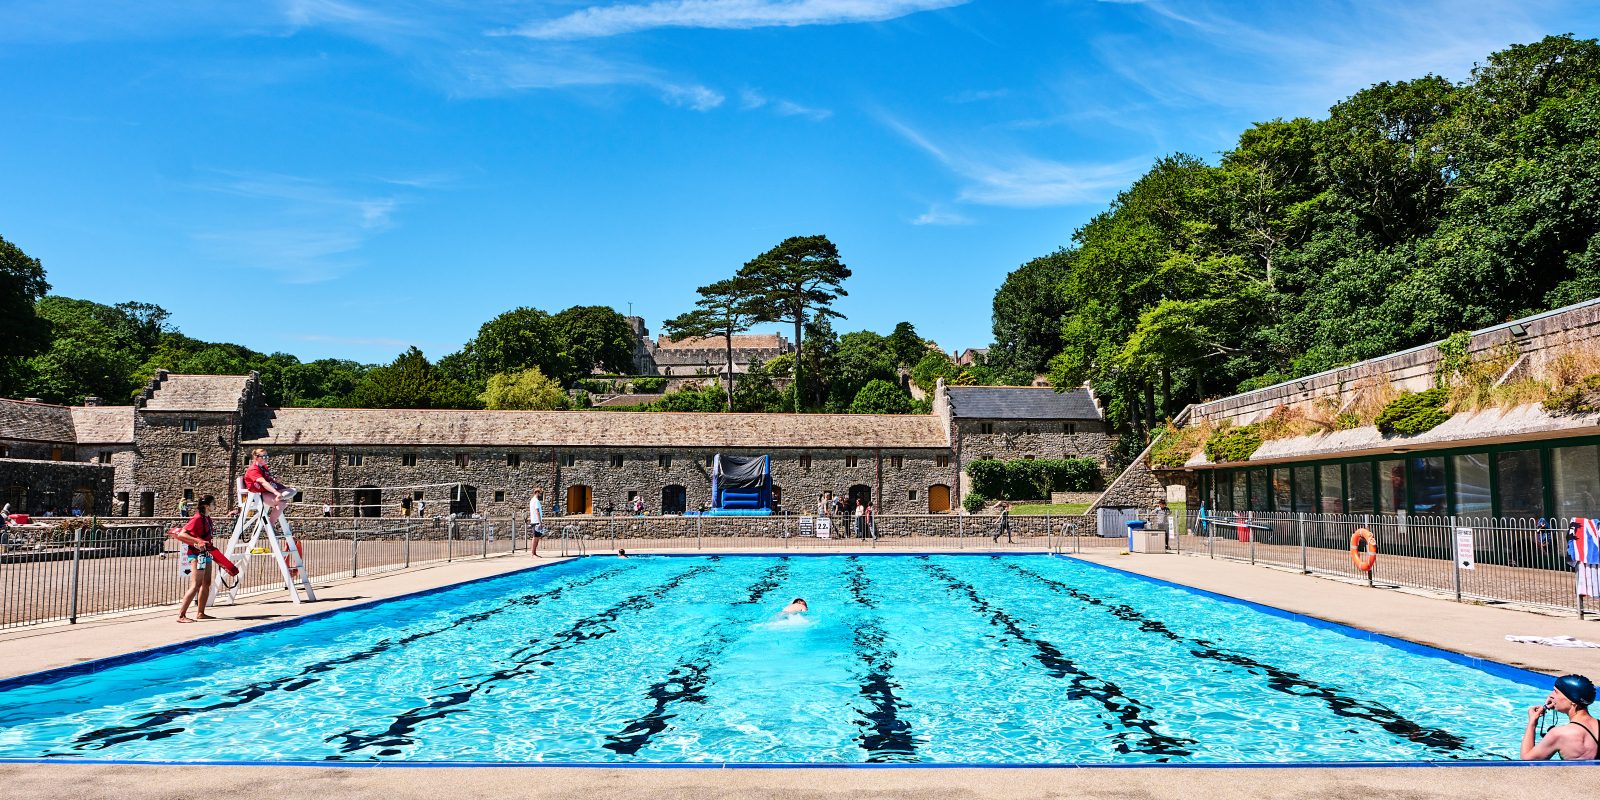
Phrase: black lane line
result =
(1082, 685)
(687, 681)
(884, 735)
(154, 725)
(1278, 679)
(527, 661)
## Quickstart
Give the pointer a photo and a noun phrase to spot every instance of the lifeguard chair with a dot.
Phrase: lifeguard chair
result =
(254, 524)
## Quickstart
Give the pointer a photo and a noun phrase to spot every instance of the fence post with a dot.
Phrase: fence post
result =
(408, 545)
(1250, 526)
(450, 542)
(77, 555)
(1366, 520)
(355, 534)
(1456, 559)
(1301, 525)
(485, 538)
(1211, 538)
(961, 533)
(697, 543)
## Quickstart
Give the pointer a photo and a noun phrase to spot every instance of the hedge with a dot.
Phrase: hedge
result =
(1414, 412)
(1029, 479)
(1233, 444)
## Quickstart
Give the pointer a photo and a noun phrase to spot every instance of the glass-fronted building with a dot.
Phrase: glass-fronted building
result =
(1555, 478)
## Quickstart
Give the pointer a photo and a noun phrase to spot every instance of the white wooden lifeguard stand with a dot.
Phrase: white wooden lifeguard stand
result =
(253, 524)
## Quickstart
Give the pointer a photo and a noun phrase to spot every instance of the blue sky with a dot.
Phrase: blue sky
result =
(344, 178)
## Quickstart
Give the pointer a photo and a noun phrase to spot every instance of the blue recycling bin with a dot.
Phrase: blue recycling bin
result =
(1134, 525)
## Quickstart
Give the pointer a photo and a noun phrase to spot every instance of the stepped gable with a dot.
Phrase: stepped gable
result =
(103, 424)
(38, 422)
(198, 393)
(1021, 402)
(383, 427)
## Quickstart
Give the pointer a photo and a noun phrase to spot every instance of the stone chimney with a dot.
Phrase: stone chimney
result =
(91, 400)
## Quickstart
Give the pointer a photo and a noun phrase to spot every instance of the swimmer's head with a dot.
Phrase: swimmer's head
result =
(801, 601)
(1577, 689)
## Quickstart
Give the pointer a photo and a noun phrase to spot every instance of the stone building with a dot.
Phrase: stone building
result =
(701, 356)
(189, 435)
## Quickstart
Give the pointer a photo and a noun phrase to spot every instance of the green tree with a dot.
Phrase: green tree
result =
(906, 346)
(410, 381)
(1028, 309)
(860, 358)
(513, 341)
(724, 309)
(881, 397)
(595, 336)
(710, 397)
(524, 390)
(931, 368)
(22, 332)
(801, 276)
(755, 391)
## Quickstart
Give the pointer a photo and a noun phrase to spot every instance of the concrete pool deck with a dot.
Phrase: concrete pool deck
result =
(1466, 628)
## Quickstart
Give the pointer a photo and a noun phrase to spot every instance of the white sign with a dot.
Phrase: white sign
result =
(1464, 557)
(807, 525)
(824, 528)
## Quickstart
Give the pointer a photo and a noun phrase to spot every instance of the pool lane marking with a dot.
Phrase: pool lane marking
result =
(1278, 679)
(686, 682)
(885, 736)
(152, 727)
(1083, 684)
(590, 628)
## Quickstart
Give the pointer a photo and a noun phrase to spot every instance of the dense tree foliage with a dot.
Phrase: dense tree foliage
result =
(523, 390)
(595, 337)
(880, 397)
(22, 332)
(725, 308)
(1413, 210)
(411, 381)
(801, 276)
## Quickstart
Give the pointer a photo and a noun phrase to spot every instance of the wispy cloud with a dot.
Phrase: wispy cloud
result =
(1023, 181)
(601, 21)
(750, 100)
(938, 215)
(305, 230)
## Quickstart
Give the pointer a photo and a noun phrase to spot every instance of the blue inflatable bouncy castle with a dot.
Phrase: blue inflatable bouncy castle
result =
(741, 486)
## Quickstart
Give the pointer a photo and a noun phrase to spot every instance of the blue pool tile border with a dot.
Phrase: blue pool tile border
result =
(721, 765)
(1498, 669)
(71, 670)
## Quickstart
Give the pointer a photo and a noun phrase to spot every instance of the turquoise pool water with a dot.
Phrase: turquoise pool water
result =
(903, 659)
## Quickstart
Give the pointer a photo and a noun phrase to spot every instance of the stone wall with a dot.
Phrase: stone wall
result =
(901, 489)
(34, 487)
(158, 466)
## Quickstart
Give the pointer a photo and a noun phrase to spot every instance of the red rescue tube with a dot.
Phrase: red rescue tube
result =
(222, 561)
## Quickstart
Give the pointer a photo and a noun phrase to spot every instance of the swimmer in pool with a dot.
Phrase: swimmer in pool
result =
(797, 607)
(1579, 739)
(622, 553)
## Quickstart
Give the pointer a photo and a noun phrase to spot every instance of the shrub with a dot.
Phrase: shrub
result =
(988, 477)
(1346, 421)
(1582, 397)
(1414, 412)
(1027, 480)
(973, 502)
(1072, 474)
(1175, 446)
(648, 385)
(594, 386)
(881, 397)
(1233, 444)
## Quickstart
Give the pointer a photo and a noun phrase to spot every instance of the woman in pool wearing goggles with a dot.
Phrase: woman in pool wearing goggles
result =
(1579, 739)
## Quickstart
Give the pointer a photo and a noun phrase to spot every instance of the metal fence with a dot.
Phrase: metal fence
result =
(1501, 560)
(71, 572)
(66, 574)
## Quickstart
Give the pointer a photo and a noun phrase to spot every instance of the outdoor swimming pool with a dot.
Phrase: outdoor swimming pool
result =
(903, 659)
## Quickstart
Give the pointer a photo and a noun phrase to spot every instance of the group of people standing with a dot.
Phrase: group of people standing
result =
(861, 512)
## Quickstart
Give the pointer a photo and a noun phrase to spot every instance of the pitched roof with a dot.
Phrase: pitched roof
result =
(40, 422)
(103, 424)
(199, 393)
(381, 427)
(745, 341)
(1021, 402)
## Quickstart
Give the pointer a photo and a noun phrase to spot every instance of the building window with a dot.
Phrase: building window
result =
(55, 454)
(850, 460)
(711, 459)
(1472, 490)
(1519, 483)
(665, 460)
(569, 460)
(499, 496)
(805, 461)
(408, 459)
(188, 494)
(987, 427)
(911, 495)
(354, 460)
(898, 462)
(187, 459)
(302, 459)
(1028, 457)
(513, 460)
(1069, 428)
(191, 425)
(105, 456)
(1576, 478)
(941, 460)
(463, 460)
(616, 461)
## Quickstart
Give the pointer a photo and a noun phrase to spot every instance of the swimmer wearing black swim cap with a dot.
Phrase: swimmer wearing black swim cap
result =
(1579, 739)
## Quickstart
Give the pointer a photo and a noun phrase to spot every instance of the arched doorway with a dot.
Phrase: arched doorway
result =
(938, 498)
(860, 492)
(674, 499)
(463, 499)
(368, 501)
(82, 502)
(580, 500)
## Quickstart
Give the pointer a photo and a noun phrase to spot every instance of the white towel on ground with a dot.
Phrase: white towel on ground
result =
(1552, 641)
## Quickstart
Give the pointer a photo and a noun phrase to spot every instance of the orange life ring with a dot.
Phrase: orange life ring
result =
(294, 572)
(1363, 561)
